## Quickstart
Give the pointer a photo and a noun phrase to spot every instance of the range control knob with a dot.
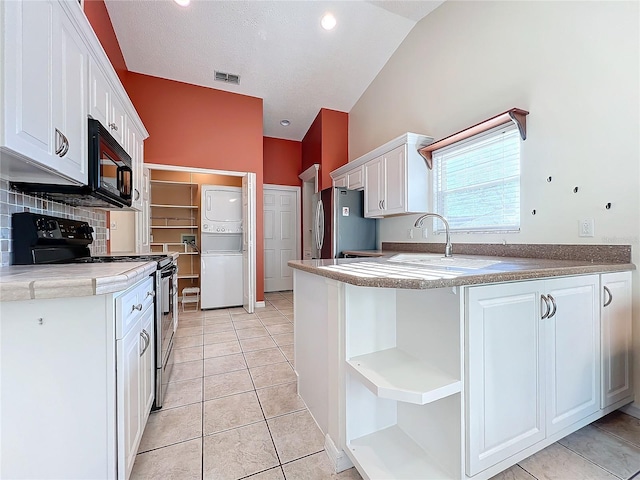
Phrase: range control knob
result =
(85, 231)
(206, 226)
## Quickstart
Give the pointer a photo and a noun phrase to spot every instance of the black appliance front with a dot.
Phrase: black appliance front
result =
(109, 175)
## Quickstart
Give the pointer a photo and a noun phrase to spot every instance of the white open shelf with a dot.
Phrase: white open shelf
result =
(402, 459)
(173, 206)
(169, 182)
(174, 226)
(396, 375)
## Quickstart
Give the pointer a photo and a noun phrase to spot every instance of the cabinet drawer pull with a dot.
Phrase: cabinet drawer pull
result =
(151, 294)
(548, 305)
(136, 307)
(553, 302)
(608, 302)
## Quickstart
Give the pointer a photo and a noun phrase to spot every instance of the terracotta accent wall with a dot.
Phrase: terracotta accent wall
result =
(98, 16)
(205, 128)
(335, 143)
(326, 143)
(282, 161)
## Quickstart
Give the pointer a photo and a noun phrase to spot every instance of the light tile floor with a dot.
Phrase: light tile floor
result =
(231, 411)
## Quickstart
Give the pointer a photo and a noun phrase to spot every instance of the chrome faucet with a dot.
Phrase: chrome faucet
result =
(448, 248)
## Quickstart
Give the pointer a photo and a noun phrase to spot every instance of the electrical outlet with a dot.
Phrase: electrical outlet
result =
(410, 233)
(586, 227)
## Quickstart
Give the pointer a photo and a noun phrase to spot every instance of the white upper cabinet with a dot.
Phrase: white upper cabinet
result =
(55, 75)
(43, 94)
(395, 177)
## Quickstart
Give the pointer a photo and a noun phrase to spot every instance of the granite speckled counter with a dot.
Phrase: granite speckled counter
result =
(436, 272)
(28, 282)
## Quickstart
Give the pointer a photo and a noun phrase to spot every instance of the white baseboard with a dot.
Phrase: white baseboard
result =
(632, 409)
(338, 459)
(260, 304)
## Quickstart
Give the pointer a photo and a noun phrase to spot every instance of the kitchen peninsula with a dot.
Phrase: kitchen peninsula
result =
(418, 366)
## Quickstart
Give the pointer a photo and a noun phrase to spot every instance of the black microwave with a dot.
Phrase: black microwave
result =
(109, 175)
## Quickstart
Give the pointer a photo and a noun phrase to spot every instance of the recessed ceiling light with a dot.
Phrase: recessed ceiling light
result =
(182, 3)
(328, 21)
(285, 123)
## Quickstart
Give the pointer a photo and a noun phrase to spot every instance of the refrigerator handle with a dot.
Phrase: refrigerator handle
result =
(320, 225)
(317, 226)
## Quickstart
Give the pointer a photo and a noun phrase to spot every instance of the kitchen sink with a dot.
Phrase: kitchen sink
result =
(438, 260)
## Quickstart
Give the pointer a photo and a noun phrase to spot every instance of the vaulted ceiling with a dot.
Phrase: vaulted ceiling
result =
(278, 48)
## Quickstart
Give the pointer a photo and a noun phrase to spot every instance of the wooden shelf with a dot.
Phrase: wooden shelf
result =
(396, 375)
(403, 458)
(174, 206)
(175, 226)
(193, 275)
(168, 182)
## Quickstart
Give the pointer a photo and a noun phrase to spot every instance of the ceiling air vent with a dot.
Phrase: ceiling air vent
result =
(228, 77)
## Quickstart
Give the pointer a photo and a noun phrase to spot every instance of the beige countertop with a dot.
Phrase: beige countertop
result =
(438, 272)
(28, 282)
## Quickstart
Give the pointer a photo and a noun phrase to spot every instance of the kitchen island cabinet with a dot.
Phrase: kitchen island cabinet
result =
(77, 383)
(432, 380)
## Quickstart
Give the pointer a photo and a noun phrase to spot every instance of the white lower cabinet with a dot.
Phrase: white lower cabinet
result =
(532, 364)
(459, 382)
(76, 386)
(616, 340)
(135, 371)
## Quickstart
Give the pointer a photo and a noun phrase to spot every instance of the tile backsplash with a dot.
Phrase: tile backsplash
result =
(13, 202)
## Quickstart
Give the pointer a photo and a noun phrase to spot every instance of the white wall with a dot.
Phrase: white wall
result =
(122, 232)
(573, 65)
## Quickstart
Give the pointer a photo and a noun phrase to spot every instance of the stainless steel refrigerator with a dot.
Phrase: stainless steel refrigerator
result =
(339, 223)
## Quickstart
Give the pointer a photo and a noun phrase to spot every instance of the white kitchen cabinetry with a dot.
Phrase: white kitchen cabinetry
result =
(341, 181)
(615, 323)
(74, 384)
(44, 94)
(532, 364)
(396, 183)
(55, 74)
(397, 402)
(135, 362)
(355, 178)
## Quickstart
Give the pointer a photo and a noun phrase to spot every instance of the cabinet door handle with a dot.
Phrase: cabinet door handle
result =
(383, 204)
(65, 142)
(59, 143)
(136, 307)
(137, 194)
(553, 302)
(145, 341)
(151, 294)
(380, 204)
(548, 305)
(606, 303)
(113, 126)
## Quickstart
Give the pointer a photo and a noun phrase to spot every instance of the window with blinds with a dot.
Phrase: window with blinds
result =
(477, 182)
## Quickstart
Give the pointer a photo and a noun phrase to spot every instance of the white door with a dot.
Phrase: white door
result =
(505, 377)
(280, 236)
(374, 187)
(395, 181)
(249, 241)
(572, 351)
(615, 308)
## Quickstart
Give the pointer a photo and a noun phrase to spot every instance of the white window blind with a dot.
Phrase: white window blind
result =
(477, 182)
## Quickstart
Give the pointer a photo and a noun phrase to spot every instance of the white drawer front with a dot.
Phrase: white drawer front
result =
(131, 304)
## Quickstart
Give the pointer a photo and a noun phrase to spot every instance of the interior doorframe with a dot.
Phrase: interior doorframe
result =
(251, 179)
(309, 186)
(297, 190)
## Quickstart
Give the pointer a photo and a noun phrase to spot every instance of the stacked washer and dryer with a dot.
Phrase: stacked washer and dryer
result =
(221, 247)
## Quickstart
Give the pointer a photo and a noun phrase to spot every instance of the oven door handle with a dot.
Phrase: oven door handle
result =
(168, 272)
